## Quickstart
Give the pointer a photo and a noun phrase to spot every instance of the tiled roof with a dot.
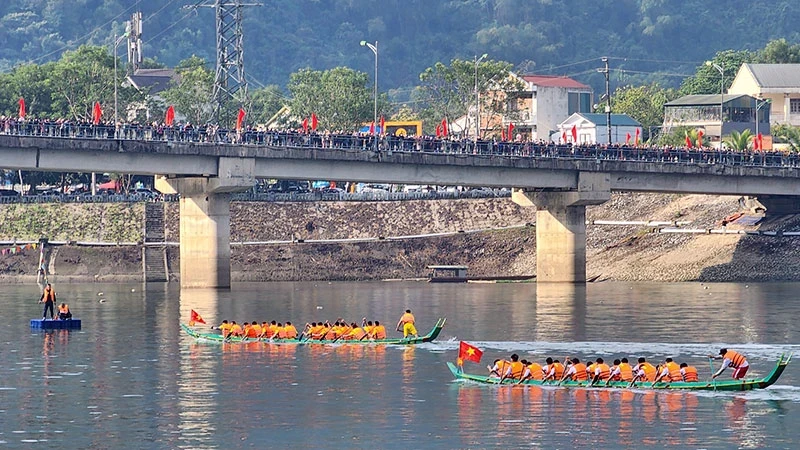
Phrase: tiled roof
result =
(554, 81)
(776, 75)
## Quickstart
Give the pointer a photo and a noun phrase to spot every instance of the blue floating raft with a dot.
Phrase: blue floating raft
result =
(50, 324)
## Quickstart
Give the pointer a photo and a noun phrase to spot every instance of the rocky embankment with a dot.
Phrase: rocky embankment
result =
(631, 253)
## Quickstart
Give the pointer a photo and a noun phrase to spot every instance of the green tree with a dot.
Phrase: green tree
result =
(707, 78)
(738, 141)
(265, 102)
(449, 91)
(340, 97)
(786, 134)
(779, 52)
(191, 96)
(643, 103)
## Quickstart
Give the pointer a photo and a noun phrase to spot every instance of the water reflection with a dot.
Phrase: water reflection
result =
(560, 311)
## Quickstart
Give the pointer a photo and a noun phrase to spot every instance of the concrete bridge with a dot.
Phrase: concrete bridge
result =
(560, 184)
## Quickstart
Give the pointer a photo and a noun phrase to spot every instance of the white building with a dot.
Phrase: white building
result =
(778, 83)
(593, 129)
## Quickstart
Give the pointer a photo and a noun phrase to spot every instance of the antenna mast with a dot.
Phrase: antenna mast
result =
(230, 86)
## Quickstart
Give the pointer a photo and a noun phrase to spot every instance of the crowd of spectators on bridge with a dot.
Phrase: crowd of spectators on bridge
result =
(208, 133)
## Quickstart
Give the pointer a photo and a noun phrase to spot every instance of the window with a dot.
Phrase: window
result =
(794, 105)
(579, 102)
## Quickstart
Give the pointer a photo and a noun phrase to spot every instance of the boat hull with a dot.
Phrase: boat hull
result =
(214, 337)
(714, 385)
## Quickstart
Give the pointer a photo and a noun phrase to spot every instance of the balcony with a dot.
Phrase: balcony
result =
(524, 118)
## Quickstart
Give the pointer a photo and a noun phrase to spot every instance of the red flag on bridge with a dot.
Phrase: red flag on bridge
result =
(563, 137)
(438, 130)
(97, 113)
(760, 138)
(636, 139)
(383, 125)
(305, 125)
(169, 118)
(195, 318)
(372, 128)
(21, 108)
(240, 119)
(700, 135)
(575, 133)
(314, 121)
(444, 127)
(502, 134)
(510, 134)
(688, 142)
(627, 138)
(468, 352)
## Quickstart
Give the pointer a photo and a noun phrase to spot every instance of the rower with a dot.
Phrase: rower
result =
(601, 371)
(554, 370)
(290, 330)
(643, 371)
(576, 371)
(689, 373)
(514, 370)
(499, 367)
(670, 371)
(379, 331)
(533, 371)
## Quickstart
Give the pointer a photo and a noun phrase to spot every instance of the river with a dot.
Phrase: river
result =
(131, 379)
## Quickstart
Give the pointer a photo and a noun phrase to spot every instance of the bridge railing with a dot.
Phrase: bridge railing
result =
(424, 144)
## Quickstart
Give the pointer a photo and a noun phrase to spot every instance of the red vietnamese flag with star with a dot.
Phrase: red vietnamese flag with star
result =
(195, 318)
(468, 352)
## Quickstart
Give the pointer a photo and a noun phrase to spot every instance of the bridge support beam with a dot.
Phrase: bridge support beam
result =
(205, 218)
(561, 226)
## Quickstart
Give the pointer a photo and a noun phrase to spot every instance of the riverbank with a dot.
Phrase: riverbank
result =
(628, 253)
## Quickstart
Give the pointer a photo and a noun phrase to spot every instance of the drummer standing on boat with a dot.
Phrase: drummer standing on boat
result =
(407, 322)
(732, 359)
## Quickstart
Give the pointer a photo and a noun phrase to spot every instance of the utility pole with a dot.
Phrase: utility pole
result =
(604, 70)
(134, 34)
(230, 86)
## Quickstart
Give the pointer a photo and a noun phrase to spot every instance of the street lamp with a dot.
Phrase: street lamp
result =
(759, 104)
(374, 48)
(478, 98)
(116, 45)
(721, 71)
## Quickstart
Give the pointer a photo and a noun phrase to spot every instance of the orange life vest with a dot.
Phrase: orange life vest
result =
(281, 332)
(580, 372)
(63, 309)
(49, 295)
(649, 371)
(516, 370)
(407, 318)
(250, 332)
(605, 372)
(236, 330)
(357, 333)
(536, 371)
(674, 371)
(737, 359)
(690, 374)
(559, 370)
(317, 332)
(502, 367)
(291, 331)
(379, 332)
(625, 372)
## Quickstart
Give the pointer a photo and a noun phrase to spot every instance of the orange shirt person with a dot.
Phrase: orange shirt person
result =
(732, 359)
(290, 330)
(378, 331)
(533, 371)
(407, 322)
(689, 373)
(63, 312)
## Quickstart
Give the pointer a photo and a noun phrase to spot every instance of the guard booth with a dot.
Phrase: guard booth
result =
(448, 274)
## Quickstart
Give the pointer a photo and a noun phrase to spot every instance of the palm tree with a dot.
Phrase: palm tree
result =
(739, 141)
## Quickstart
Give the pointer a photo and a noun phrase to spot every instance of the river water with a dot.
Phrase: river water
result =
(131, 379)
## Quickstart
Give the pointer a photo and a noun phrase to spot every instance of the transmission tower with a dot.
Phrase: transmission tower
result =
(230, 86)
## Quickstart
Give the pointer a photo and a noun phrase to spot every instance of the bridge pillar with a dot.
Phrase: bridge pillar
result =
(205, 221)
(772, 205)
(561, 226)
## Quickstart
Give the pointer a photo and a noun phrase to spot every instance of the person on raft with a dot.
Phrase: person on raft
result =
(49, 299)
(732, 359)
(64, 312)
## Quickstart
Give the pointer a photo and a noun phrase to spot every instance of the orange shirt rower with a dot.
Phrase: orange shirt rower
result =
(290, 330)
(407, 322)
(379, 331)
(689, 373)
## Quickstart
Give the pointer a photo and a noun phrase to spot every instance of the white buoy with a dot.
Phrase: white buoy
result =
(319, 307)
(100, 293)
(133, 290)
(102, 301)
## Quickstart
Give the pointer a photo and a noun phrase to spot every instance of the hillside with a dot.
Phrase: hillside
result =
(631, 253)
(566, 37)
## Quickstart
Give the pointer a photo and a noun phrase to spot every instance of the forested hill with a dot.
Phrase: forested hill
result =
(649, 39)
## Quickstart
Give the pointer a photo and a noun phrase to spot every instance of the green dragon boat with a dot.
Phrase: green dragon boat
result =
(714, 385)
(216, 337)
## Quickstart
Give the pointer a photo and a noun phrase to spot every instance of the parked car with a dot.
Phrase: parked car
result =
(8, 193)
